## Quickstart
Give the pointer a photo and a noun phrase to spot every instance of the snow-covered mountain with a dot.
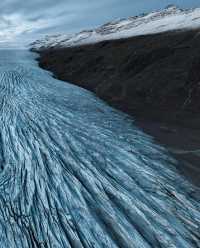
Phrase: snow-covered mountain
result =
(171, 18)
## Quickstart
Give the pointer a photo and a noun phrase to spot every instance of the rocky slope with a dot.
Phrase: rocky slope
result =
(142, 74)
(156, 75)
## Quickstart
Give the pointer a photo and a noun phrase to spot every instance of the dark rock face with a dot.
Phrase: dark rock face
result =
(155, 76)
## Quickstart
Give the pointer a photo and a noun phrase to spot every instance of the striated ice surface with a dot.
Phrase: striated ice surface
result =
(76, 173)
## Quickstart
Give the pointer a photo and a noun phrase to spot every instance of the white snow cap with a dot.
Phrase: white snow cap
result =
(172, 6)
(171, 18)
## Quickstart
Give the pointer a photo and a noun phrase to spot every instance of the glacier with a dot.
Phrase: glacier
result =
(76, 173)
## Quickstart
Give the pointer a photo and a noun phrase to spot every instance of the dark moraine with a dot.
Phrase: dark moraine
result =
(155, 78)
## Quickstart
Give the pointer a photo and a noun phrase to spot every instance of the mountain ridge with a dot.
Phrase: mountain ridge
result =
(172, 18)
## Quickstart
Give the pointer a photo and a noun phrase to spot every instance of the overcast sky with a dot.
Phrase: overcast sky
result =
(30, 19)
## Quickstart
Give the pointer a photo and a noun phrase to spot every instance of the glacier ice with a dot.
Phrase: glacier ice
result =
(76, 173)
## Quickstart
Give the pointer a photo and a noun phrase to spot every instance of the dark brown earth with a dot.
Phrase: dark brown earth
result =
(154, 78)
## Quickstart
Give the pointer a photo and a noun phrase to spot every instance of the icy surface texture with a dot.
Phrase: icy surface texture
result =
(171, 18)
(76, 173)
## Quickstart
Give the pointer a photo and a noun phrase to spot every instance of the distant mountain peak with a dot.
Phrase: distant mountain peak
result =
(171, 7)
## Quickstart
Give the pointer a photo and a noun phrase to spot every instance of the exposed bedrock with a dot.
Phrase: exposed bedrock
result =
(155, 76)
